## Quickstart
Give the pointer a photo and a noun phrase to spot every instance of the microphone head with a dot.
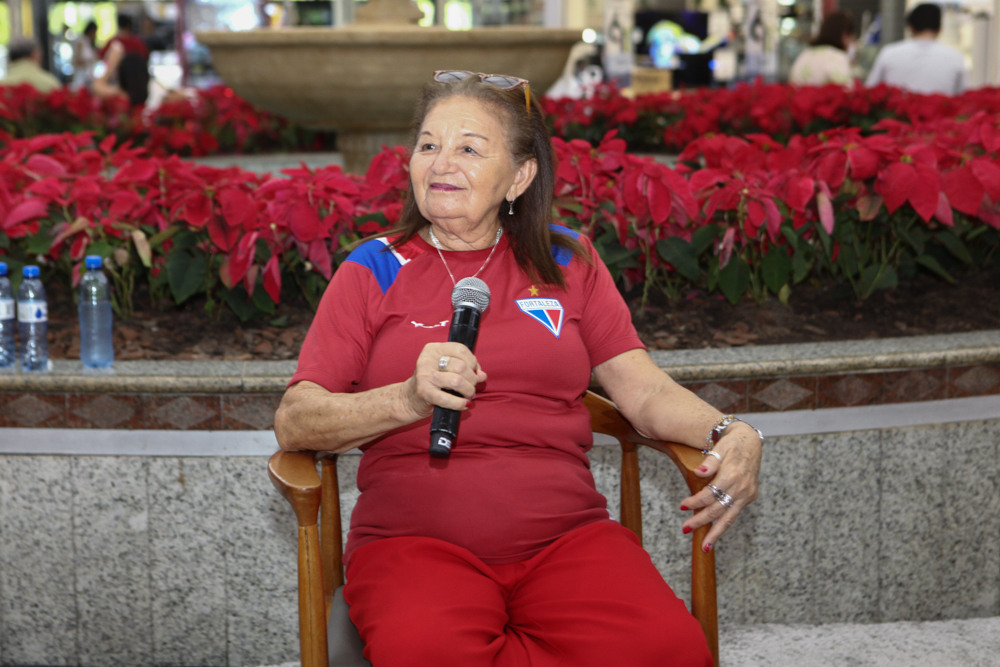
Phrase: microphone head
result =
(471, 292)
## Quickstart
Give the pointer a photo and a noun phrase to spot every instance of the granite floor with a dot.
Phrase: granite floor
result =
(969, 643)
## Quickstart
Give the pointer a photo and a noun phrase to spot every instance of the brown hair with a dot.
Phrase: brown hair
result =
(527, 229)
(833, 29)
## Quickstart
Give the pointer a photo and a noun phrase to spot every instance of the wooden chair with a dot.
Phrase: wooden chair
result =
(316, 501)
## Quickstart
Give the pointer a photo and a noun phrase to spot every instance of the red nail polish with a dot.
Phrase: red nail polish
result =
(703, 469)
(468, 404)
(684, 508)
(707, 548)
(686, 530)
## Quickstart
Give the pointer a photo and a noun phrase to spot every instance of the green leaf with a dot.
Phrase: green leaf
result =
(239, 303)
(848, 260)
(915, 241)
(185, 240)
(280, 322)
(800, 267)
(187, 272)
(102, 248)
(261, 300)
(872, 279)
(954, 246)
(4, 241)
(679, 252)
(932, 264)
(775, 269)
(734, 279)
(703, 238)
(784, 294)
(712, 276)
(169, 232)
(38, 244)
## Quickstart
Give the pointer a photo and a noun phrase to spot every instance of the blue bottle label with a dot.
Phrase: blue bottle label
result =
(30, 312)
(6, 309)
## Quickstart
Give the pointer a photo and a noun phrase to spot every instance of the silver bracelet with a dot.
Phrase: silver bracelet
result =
(719, 431)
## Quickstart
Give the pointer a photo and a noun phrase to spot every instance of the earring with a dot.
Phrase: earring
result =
(511, 211)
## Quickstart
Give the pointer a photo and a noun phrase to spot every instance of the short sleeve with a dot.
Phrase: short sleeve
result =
(605, 323)
(336, 347)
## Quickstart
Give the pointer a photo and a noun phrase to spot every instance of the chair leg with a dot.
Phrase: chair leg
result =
(312, 602)
(631, 499)
(704, 606)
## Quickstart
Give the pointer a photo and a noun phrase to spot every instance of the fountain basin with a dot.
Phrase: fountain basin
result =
(364, 80)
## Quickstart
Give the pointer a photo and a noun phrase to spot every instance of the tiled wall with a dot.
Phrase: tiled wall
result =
(256, 411)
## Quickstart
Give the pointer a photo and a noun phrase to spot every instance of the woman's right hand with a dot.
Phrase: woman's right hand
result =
(461, 373)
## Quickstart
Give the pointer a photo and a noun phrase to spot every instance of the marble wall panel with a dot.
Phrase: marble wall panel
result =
(778, 585)
(38, 616)
(261, 576)
(911, 524)
(846, 520)
(187, 524)
(111, 532)
(970, 494)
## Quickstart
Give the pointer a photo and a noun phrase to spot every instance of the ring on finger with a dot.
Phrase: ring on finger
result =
(724, 498)
(443, 363)
(712, 452)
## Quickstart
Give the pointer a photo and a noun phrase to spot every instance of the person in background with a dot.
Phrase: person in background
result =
(126, 66)
(828, 59)
(85, 58)
(24, 58)
(921, 64)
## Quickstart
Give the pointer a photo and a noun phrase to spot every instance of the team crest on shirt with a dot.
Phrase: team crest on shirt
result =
(547, 311)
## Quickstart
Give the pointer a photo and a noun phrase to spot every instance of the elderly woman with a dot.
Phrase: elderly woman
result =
(503, 554)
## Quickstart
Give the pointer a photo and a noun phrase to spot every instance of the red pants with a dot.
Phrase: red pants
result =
(592, 598)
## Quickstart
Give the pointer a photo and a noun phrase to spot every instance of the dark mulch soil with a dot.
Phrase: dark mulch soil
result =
(814, 313)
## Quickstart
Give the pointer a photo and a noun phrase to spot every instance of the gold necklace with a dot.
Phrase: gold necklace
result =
(437, 244)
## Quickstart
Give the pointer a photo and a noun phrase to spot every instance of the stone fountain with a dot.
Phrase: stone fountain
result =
(362, 80)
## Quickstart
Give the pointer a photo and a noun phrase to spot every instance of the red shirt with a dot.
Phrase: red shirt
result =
(130, 43)
(518, 477)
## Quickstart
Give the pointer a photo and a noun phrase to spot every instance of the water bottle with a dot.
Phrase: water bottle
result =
(96, 349)
(33, 321)
(8, 351)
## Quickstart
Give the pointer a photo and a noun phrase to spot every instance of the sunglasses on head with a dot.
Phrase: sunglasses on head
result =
(501, 81)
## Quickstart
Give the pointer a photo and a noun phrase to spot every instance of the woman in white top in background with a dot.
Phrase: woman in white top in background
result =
(828, 59)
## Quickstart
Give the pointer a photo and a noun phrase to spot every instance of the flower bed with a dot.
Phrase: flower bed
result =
(215, 121)
(738, 215)
(669, 121)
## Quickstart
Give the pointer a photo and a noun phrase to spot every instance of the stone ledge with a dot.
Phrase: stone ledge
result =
(828, 358)
(747, 363)
(157, 377)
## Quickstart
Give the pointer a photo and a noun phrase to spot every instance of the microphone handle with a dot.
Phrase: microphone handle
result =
(444, 426)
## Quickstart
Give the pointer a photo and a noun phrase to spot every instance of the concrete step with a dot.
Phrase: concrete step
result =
(968, 643)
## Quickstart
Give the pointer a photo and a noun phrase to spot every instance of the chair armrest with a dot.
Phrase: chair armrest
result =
(686, 458)
(294, 476)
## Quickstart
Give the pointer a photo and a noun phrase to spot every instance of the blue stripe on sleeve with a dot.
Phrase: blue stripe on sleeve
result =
(560, 254)
(383, 263)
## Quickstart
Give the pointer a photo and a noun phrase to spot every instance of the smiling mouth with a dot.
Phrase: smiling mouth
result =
(444, 187)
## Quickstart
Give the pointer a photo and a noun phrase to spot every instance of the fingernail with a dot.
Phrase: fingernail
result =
(707, 548)
(684, 508)
(686, 530)
(703, 469)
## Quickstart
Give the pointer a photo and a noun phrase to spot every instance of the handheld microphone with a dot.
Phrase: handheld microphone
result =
(470, 298)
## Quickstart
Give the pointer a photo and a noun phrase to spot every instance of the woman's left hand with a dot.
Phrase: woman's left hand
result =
(736, 475)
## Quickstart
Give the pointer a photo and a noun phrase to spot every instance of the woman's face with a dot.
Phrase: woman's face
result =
(461, 169)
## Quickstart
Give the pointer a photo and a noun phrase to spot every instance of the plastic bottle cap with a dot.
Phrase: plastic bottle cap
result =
(3, 268)
(94, 262)
(31, 271)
